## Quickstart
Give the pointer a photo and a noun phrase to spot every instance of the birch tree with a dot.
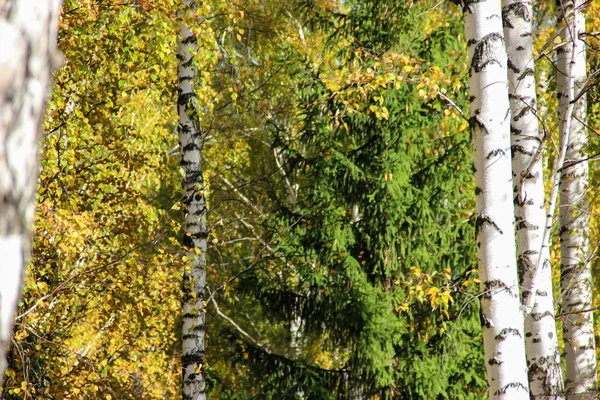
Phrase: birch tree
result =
(543, 357)
(195, 225)
(576, 279)
(490, 127)
(28, 53)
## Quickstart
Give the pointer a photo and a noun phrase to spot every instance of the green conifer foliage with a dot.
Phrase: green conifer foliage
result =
(382, 228)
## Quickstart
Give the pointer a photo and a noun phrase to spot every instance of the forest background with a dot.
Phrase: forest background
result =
(335, 156)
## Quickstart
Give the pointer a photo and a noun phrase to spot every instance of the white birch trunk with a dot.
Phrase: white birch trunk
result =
(576, 278)
(541, 342)
(28, 53)
(195, 226)
(502, 320)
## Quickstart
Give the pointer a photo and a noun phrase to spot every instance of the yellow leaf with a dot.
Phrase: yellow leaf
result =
(385, 114)
(446, 297)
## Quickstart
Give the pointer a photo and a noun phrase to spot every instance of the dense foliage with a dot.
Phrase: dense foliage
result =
(339, 184)
(376, 261)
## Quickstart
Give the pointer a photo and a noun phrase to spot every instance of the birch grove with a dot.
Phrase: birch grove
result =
(28, 53)
(576, 279)
(195, 226)
(543, 356)
(490, 126)
(309, 199)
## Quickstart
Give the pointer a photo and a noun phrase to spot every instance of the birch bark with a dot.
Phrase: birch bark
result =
(195, 224)
(576, 277)
(541, 342)
(502, 320)
(28, 52)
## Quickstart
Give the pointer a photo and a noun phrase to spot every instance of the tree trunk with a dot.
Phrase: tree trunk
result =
(576, 278)
(490, 127)
(541, 342)
(195, 226)
(28, 52)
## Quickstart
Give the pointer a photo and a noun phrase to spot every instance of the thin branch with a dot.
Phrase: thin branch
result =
(453, 104)
(232, 322)
(242, 196)
(577, 312)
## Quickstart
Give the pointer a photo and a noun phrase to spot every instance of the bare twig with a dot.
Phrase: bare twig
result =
(231, 322)
(577, 312)
(453, 104)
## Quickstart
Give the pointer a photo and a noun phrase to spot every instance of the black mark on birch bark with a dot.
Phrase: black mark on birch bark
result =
(525, 74)
(486, 51)
(482, 220)
(519, 10)
(506, 332)
(476, 123)
(539, 316)
(517, 148)
(512, 385)
(494, 361)
(485, 321)
(495, 153)
(494, 286)
(513, 67)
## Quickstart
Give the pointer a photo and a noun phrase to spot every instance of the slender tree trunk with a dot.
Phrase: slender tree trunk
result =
(490, 127)
(195, 226)
(543, 357)
(576, 277)
(28, 52)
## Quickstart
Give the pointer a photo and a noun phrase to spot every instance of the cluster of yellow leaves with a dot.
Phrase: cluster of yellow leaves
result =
(435, 289)
(362, 88)
(101, 297)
